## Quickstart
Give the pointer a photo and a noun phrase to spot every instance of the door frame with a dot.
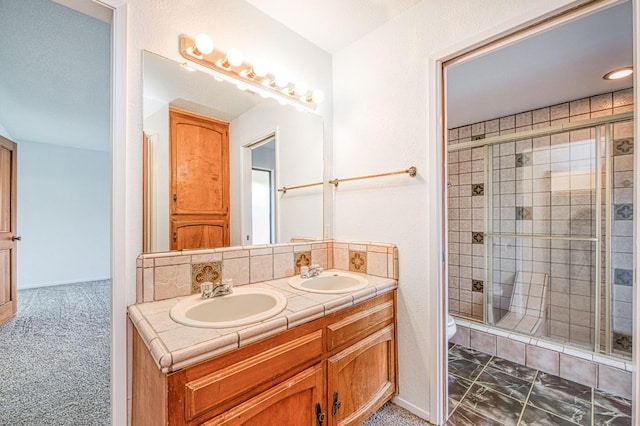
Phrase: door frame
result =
(532, 21)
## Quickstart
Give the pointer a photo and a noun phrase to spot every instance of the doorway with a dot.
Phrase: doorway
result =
(64, 173)
(259, 189)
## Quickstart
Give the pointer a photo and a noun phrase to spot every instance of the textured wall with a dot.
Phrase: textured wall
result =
(381, 109)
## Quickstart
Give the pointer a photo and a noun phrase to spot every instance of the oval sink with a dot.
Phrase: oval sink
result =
(242, 307)
(330, 282)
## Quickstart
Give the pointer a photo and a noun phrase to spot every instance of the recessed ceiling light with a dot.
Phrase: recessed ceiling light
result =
(619, 73)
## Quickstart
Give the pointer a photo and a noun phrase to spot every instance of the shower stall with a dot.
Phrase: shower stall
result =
(541, 223)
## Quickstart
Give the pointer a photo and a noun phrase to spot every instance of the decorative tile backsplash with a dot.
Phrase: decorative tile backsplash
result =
(203, 272)
(166, 275)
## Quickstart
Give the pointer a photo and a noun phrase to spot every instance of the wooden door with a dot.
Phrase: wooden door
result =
(296, 401)
(8, 229)
(361, 378)
(199, 181)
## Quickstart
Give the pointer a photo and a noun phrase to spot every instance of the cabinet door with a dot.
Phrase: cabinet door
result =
(292, 402)
(196, 233)
(361, 378)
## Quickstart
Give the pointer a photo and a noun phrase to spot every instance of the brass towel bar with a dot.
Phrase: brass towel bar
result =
(284, 189)
(411, 171)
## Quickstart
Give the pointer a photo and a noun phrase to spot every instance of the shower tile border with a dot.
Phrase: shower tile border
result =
(602, 365)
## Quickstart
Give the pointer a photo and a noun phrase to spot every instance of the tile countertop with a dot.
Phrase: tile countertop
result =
(174, 346)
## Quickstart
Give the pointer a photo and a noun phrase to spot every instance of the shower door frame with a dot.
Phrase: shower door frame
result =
(592, 123)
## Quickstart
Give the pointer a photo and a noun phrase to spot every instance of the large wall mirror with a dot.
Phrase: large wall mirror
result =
(271, 146)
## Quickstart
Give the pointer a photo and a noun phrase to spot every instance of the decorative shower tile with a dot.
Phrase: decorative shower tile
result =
(623, 212)
(302, 258)
(477, 237)
(477, 285)
(477, 189)
(623, 276)
(358, 261)
(623, 146)
(523, 159)
(622, 342)
(202, 272)
(524, 213)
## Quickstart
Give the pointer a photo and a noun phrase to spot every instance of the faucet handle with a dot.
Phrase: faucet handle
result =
(207, 289)
(227, 283)
(304, 271)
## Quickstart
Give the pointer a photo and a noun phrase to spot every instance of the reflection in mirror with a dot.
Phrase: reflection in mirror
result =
(270, 146)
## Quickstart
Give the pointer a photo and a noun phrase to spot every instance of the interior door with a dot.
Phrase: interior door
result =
(199, 179)
(8, 228)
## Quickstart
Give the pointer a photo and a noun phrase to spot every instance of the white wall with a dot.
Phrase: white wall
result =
(3, 132)
(64, 215)
(155, 25)
(298, 162)
(382, 124)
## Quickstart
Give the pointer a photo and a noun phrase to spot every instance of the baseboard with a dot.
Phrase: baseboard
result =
(39, 285)
(411, 408)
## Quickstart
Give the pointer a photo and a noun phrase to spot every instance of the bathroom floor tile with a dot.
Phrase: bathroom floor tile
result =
(466, 417)
(458, 386)
(513, 369)
(504, 383)
(567, 399)
(493, 405)
(465, 368)
(535, 416)
(611, 410)
(459, 352)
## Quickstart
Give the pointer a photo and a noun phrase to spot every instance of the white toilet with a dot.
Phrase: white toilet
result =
(451, 327)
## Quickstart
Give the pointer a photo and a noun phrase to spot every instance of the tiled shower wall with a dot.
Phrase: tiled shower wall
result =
(542, 186)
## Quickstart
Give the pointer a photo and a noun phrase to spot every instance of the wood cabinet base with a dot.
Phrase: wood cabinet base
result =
(336, 370)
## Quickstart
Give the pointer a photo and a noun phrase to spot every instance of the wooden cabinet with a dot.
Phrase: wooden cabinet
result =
(199, 181)
(287, 379)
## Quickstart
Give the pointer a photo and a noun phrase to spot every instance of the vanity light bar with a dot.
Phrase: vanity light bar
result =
(241, 73)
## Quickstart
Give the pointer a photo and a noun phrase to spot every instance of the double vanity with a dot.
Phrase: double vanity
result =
(293, 350)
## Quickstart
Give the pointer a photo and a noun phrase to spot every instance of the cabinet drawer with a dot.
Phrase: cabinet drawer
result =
(238, 380)
(359, 324)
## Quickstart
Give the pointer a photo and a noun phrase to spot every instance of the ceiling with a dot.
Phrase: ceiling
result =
(63, 96)
(332, 24)
(54, 75)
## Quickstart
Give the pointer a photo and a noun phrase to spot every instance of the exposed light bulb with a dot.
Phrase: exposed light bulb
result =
(235, 57)
(260, 69)
(204, 44)
(282, 79)
(317, 96)
(300, 88)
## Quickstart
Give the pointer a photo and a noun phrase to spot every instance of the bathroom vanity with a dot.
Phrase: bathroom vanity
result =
(328, 359)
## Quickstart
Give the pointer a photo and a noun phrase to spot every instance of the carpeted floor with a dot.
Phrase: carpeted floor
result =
(55, 357)
(392, 415)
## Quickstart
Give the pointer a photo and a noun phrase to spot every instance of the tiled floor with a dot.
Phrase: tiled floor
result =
(486, 390)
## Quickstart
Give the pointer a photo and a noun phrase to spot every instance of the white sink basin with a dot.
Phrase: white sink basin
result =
(330, 282)
(242, 307)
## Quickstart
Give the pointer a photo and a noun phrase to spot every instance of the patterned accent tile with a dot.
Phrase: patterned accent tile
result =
(623, 212)
(477, 285)
(623, 146)
(477, 137)
(622, 342)
(358, 261)
(302, 258)
(623, 276)
(202, 272)
(524, 213)
(523, 159)
(477, 189)
(477, 237)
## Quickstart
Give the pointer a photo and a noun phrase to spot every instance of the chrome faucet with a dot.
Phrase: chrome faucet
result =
(310, 271)
(222, 288)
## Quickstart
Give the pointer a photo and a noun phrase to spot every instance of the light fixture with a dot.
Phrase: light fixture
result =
(255, 77)
(203, 45)
(618, 74)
